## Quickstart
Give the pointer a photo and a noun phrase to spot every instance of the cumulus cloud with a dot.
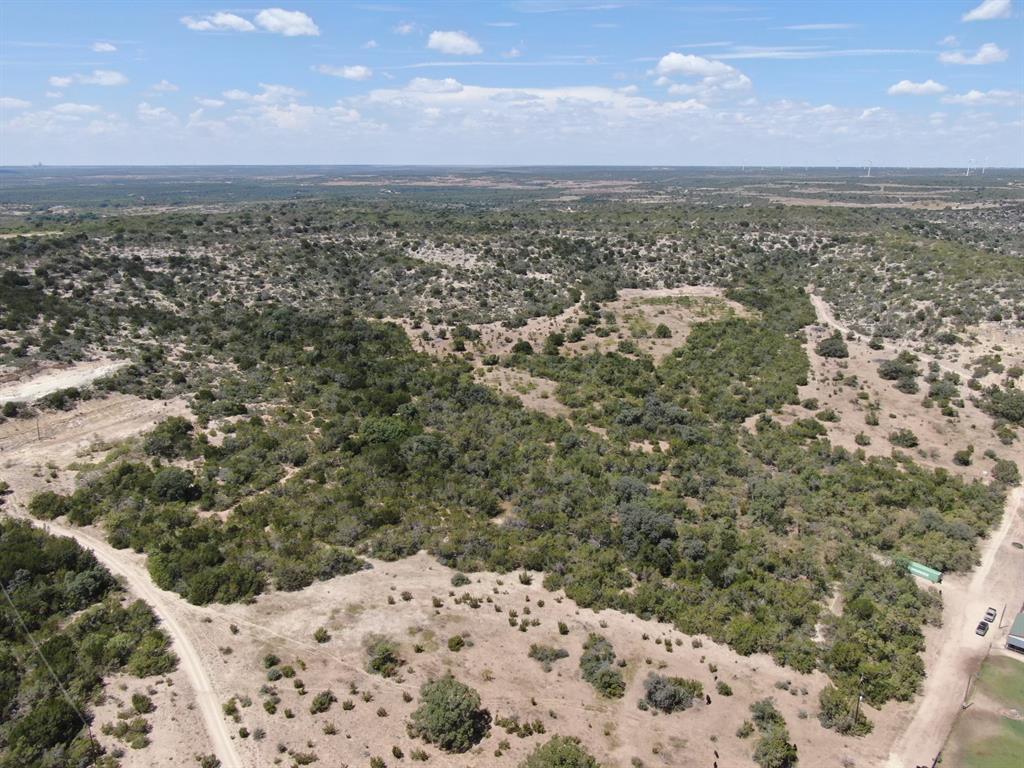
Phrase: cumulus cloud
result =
(9, 102)
(212, 103)
(405, 28)
(354, 72)
(909, 88)
(370, 44)
(687, 64)
(988, 10)
(218, 22)
(989, 53)
(165, 86)
(68, 108)
(151, 114)
(715, 77)
(979, 98)
(427, 85)
(949, 40)
(105, 77)
(287, 23)
(104, 47)
(454, 43)
(270, 94)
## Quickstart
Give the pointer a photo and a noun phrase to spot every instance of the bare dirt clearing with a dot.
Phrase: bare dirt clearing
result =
(495, 662)
(50, 379)
(940, 436)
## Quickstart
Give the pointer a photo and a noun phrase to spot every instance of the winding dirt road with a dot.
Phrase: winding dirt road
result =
(168, 607)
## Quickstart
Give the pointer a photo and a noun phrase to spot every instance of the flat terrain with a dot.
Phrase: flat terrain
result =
(990, 732)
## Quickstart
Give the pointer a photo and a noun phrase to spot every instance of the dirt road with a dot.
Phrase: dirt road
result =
(955, 652)
(58, 438)
(171, 611)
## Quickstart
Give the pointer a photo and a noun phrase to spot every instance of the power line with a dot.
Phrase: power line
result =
(53, 674)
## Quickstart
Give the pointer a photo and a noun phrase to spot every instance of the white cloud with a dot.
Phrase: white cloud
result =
(870, 112)
(909, 88)
(454, 43)
(426, 85)
(369, 44)
(512, 53)
(993, 97)
(74, 109)
(54, 95)
(949, 40)
(150, 114)
(716, 77)
(354, 72)
(405, 28)
(165, 86)
(218, 22)
(287, 23)
(106, 77)
(988, 10)
(688, 64)
(104, 47)
(9, 102)
(271, 94)
(213, 103)
(989, 53)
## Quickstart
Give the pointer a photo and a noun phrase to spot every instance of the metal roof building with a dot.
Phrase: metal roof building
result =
(1015, 640)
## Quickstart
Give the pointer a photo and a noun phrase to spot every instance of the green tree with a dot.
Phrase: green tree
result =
(449, 715)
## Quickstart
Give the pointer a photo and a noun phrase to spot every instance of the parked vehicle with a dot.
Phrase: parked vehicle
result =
(982, 628)
(990, 615)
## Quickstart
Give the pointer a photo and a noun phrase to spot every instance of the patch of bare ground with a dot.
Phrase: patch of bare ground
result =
(176, 733)
(47, 378)
(34, 448)
(831, 387)
(397, 599)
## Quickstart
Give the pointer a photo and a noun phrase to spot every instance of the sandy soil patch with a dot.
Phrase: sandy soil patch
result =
(494, 662)
(14, 385)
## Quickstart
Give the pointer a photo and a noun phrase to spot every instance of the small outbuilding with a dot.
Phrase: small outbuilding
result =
(1015, 640)
(924, 572)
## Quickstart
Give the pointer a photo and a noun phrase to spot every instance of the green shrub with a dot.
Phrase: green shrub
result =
(670, 694)
(547, 655)
(832, 346)
(449, 715)
(596, 667)
(322, 702)
(382, 655)
(560, 752)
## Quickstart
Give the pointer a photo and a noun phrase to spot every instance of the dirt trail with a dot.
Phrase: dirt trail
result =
(59, 438)
(172, 612)
(955, 652)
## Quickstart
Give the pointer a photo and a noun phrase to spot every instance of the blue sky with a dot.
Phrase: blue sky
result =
(519, 82)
